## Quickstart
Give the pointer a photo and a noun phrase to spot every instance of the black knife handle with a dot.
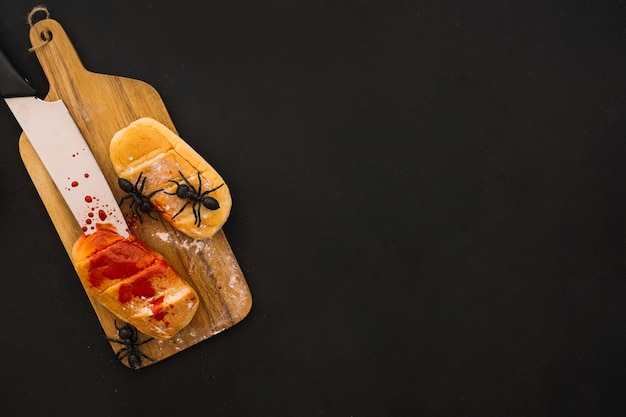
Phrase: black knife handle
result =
(11, 82)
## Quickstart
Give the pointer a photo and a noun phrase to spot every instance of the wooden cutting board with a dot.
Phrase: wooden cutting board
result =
(101, 105)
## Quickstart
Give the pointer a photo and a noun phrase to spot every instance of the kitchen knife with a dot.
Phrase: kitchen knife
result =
(64, 152)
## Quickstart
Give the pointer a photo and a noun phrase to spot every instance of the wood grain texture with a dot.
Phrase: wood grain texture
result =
(101, 105)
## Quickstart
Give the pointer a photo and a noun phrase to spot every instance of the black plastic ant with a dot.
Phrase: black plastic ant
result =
(197, 197)
(128, 337)
(135, 192)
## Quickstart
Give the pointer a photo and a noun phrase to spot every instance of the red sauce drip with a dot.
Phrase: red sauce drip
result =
(90, 214)
(157, 308)
(102, 215)
(86, 175)
(84, 228)
(160, 315)
(88, 199)
(74, 183)
(88, 221)
(130, 220)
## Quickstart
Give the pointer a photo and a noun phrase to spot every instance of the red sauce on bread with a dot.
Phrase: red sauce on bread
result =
(118, 261)
(140, 287)
(156, 306)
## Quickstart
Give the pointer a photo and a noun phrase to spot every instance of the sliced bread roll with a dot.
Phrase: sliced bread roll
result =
(183, 187)
(134, 282)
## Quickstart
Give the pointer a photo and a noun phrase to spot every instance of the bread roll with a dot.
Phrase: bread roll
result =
(134, 282)
(149, 149)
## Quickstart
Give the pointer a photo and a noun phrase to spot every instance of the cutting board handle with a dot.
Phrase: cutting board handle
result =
(56, 54)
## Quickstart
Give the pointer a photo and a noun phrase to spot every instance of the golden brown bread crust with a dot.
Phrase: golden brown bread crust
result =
(148, 148)
(134, 282)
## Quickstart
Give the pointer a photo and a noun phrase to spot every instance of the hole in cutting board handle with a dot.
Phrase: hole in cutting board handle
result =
(45, 35)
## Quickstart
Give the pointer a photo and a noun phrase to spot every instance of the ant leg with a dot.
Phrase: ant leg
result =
(145, 356)
(145, 341)
(181, 210)
(132, 204)
(196, 214)
(138, 179)
(126, 197)
(115, 340)
(150, 214)
(119, 356)
(199, 183)
(136, 211)
(191, 187)
(143, 183)
(177, 185)
(124, 350)
(110, 339)
(154, 192)
(212, 189)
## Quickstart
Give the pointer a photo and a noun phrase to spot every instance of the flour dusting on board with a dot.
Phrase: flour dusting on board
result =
(188, 244)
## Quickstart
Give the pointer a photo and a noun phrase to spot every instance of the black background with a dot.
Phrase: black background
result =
(429, 209)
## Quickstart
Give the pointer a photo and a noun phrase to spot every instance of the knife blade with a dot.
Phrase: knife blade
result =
(64, 152)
